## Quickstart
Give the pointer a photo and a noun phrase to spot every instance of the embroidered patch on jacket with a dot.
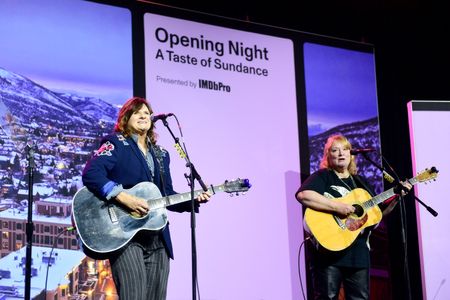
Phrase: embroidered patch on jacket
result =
(122, 139)
(105, 149)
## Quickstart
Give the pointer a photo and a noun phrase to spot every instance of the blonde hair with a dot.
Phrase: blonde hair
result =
(325, 162)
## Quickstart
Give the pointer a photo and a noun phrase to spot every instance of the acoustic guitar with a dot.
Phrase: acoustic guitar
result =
(335, 233)
(105, 226)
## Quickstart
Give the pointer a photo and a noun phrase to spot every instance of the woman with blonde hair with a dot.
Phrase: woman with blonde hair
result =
(336, 178)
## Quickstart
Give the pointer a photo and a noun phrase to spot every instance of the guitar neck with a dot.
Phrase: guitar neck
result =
(183, 197)
(379, 198)
(385, 195)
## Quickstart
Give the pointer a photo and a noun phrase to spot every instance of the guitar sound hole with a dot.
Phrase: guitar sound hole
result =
(359, 211)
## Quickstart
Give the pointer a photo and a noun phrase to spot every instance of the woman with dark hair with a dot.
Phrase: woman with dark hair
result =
(336, 178)
(129, 156)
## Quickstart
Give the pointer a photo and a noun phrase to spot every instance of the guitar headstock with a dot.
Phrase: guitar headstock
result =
(237, 186)
(427, 175)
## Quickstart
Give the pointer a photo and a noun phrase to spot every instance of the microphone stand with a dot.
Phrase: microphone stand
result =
(29, 225)
(194, 175)
(397, 189)
(396, 180)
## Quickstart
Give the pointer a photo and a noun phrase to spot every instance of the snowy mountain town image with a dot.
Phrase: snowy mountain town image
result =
(61, 131)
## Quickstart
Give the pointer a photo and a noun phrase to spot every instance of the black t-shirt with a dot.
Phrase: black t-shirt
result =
(327, 183)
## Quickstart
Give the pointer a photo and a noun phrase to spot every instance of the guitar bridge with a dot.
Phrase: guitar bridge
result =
(112, 215)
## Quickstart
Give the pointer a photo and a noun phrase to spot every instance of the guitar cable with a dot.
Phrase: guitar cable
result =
(298, 266)
(67, 229)
(405, 240)
(404, 231)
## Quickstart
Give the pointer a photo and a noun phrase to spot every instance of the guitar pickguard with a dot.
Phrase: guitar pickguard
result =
(355, 224)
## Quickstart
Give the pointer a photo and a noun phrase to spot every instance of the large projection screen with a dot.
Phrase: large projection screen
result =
(429, 123)
(235, 97)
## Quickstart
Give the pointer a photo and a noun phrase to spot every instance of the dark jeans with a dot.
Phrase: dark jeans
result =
(327, 282)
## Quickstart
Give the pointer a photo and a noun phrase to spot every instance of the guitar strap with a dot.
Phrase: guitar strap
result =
(364, 185)
(159, 157)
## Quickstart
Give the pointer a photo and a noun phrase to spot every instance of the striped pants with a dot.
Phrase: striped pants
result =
(141, 270)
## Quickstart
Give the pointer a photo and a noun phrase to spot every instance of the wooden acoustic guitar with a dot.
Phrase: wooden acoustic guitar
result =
(335, 233)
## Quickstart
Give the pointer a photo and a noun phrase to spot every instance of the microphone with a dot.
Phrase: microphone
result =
(155, 118)
(362, 151)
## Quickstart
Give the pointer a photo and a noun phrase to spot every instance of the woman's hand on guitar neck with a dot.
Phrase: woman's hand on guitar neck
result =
(137, 206)
(204, 197)
(406, 187)
(403, 188)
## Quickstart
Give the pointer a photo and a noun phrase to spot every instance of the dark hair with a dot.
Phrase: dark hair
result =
(131, 106)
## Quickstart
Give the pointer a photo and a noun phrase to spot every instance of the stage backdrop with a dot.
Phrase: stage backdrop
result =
(427, 119)
(64, 68)
(234, 95)
(341, 97)
(238, 91)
